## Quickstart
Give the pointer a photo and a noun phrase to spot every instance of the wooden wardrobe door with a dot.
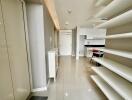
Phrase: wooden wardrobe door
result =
(6, 89)
(15, 35)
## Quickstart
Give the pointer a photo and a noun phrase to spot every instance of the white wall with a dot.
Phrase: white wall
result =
(37, 44)
(78, 43)
(81, 45)
(74, 36)
(93, 32)
(49, 37)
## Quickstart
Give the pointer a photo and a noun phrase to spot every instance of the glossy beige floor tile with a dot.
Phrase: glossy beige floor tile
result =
(74, 82)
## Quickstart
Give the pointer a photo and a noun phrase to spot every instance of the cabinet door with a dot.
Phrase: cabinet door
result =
(6, 89)
(15, 35)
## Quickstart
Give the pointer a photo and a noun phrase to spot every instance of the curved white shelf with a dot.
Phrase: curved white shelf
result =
(115, 7)
(102, 2)
(106, 89)
(117, 52)
(96, 38)
(120, 69)
(123, 35)
(119, 20)
(120, 85)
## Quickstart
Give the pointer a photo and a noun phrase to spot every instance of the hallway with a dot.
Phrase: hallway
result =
(73, 81)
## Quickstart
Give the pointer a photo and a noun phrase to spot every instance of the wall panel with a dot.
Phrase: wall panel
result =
(6, 89)
(15, 36)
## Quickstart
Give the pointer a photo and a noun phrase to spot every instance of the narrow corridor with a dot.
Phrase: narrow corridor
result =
(42, 40)
(73, 81)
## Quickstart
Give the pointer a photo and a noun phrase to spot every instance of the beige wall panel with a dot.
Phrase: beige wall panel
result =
(6, 90)
(15, 35)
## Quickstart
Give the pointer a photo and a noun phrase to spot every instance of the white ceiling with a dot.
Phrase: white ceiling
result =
(82, 12)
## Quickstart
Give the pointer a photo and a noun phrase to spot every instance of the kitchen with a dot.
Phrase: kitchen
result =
(89, 40)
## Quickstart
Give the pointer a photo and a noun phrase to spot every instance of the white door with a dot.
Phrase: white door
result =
(65, 43)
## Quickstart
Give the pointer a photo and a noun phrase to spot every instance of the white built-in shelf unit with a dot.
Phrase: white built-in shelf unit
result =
(119, 84)
(122, 35)
(118, 20)
(115, 7)
(106, 89)
(102, 2)
(122, 70)
(120, 53)
(114, 78)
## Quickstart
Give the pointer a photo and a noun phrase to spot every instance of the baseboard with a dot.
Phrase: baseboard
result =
(81, 55)
(48, 84)
(73, 55)
(40, 93)
(39, 89)
(43, 91)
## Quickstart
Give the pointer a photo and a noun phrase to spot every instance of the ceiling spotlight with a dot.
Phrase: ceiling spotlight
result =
(67, 23)
(69, 11)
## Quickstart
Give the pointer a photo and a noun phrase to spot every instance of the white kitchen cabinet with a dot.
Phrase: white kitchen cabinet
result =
(88, 52)
(53, 63)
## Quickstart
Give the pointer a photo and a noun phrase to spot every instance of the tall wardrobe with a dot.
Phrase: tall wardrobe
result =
(14, 74)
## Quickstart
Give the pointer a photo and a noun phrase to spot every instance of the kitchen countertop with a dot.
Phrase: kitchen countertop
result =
(94, 45)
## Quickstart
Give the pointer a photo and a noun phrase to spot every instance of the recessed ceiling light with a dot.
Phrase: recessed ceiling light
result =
(66, 94)
(66, 23)
(69, 11)
(89, 90)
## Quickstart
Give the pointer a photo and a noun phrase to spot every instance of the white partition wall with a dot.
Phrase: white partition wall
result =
(37, 45)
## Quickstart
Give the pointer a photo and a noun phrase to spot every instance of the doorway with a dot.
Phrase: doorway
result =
(65, 42)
